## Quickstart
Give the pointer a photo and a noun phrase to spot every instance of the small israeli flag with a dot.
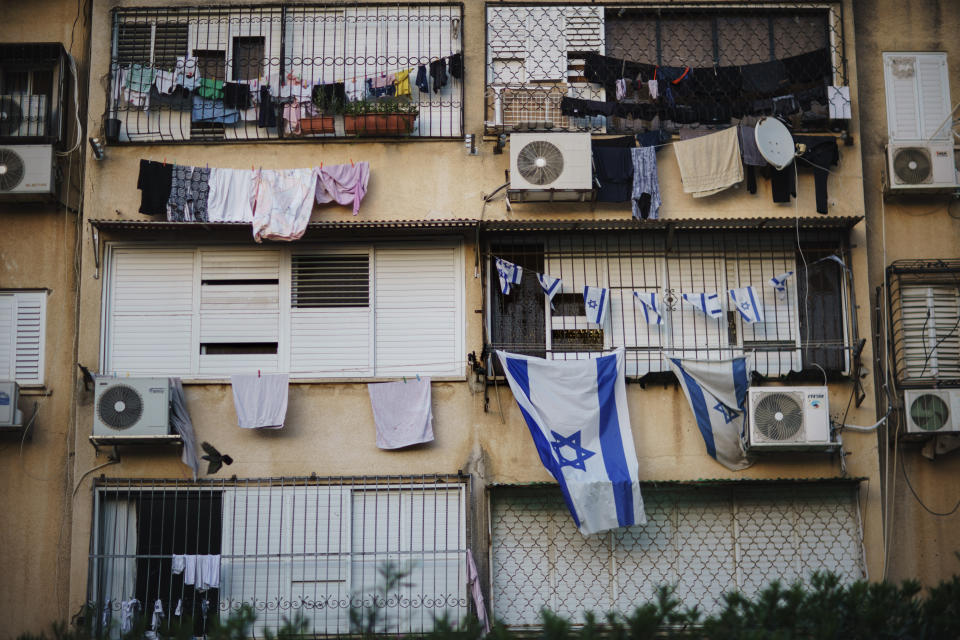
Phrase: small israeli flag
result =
(745, 300)
(717, 393)
(595, 301)
(650, 303)
(708, 303)
(550, 285)
(779, 283)
(509, 274)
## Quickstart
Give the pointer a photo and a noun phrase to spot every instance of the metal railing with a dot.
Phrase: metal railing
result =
(285, 71)
(619, 68)
(390, 549)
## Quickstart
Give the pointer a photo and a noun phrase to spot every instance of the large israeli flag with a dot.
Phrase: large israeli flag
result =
(576, 411)
(717, 393)
(595, 301)
(745, 299)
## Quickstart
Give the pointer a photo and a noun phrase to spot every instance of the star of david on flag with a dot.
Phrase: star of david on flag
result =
(650, 303)
(509, 274)
(708, 303)
(550, 286)
(576, 411)
(745, 300)
(595, 301)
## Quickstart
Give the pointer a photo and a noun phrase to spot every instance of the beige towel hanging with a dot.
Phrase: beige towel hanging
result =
(709, 164)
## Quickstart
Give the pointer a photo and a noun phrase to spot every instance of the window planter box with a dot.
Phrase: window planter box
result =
(379, 124)
(317, 124)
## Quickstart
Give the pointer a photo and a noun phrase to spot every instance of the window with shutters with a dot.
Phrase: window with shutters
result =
(152, 43)
(925, 321)
(804, 327)
(311, 546)
(350, 311)
(22, 332)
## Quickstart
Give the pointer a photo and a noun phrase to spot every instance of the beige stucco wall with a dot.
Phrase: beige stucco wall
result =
(37, 249)
(922, 546)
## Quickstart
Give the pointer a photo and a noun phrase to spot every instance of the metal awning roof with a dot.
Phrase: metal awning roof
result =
(453, 224)
(700, 482)
(692, 224)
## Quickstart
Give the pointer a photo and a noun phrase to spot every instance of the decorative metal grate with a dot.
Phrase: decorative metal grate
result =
(804, 328)
(315, 547)
(704, 540)
(615, 68)
(266, 72)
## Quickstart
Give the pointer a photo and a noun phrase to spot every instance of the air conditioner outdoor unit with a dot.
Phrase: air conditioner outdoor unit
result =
(932, 411)
(131, 407)
(788, 419)
(10, 415)
(550, 167)
(23, 116)
(921, 167)
(26, 169)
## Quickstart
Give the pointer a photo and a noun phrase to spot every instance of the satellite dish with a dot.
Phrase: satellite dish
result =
(775, 142)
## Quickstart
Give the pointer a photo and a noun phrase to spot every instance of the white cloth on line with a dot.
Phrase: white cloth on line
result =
(473, 580)
(260, 401)
(231, 195)
(179, 610)
(127, 610)
(709, 164)
(164, 81)
(190, 569)
(157, 614)
(402, 412)
(177, 564)
(283, 202)
(208, 572)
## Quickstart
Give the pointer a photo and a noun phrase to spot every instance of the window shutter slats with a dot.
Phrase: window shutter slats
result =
(8, 310)
(29, 339)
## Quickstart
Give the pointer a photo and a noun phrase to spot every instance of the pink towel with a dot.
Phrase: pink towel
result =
(343, 183)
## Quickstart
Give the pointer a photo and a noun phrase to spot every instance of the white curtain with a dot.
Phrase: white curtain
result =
(117, 567)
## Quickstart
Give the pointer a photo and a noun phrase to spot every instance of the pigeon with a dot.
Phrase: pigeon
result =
(214, 457)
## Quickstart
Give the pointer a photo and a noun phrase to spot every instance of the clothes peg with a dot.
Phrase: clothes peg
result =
(258, 373)
(418, 377)
(351, 162)
(404, 379)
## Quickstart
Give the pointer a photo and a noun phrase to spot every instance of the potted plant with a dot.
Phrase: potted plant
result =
(382, 117)
(327, 107)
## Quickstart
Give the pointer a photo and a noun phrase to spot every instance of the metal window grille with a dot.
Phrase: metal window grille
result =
(316, 547)
(292, 71)
(705, 540)
(33, 79)
(557, 66)
(803, 328)
(925, 321)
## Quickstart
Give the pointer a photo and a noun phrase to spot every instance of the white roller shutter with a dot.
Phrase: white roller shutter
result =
(150, 312)
(418, 302)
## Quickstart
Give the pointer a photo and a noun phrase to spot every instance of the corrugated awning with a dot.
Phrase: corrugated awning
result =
(700, 482)
(455, 224)
(691, 224)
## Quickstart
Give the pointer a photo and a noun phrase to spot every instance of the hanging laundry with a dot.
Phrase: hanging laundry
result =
(291, 118)
(154, 181)
(355, 89)
(650, 303)
(382, 85)
(205, 110)
(509, 274)
(128, 609)
(283, 202)
(750, 154)
(456, 66)
(614, 173)
(708, 303)
(236, 95)
(779, 283)
(157, 615)
(260, 400)
(645, 198)
(208, 572)
(231, 194)
(745, 299)
(550, 286)
(423, 84)
(654, 139)
(189, 191)
(137, 82)
(267, 114)
(654, 88)
(179, 99)
(621, 89)
(106, 616)
(709, 164)
(178, 564)
(164, 81)
(185, 72)
(783, 184)
(785, 105)
(402, 83)
(402, 412)
(210, 88)
(345, 184)
(179, 610)
(596, 301)
(182, 425)
(821, 153)
(473, 582)
(438, 74)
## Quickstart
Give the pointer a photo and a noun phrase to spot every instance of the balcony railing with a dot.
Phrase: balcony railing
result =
(612, 69)
(269, 72)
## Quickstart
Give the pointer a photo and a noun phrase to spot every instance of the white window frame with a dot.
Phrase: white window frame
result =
(931, 336)
(20, 298)
(455, 372)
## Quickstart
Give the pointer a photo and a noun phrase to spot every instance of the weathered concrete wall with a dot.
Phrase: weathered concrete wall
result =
(921, 545)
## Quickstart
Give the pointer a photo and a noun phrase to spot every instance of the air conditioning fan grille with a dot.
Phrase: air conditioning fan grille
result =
(929, 412)
(11, 169)
(778, 417)
(540, 162)
(912, 165)
(11, 116)
(120, 407)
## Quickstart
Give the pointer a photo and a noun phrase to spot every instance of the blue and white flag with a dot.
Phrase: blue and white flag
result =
(745, 299)
(708, 303)
(717, 393)
(550, 285)
(576, 411)
(595, 301)
(650, 303)
(509, 273)
(779, 283)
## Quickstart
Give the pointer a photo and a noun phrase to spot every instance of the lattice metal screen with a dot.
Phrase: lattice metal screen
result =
(693, 263)
(263, 72)
(311, 546)
(705, 540)
(590, 67)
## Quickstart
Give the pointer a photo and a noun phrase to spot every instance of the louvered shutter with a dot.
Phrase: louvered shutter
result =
(584, 29)
(331, 318)
(918, 95)
(30, 337)
(693, 333)
(239, 311)
(418, 317)
(929, 317)
(150, 312)
(8, 334)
